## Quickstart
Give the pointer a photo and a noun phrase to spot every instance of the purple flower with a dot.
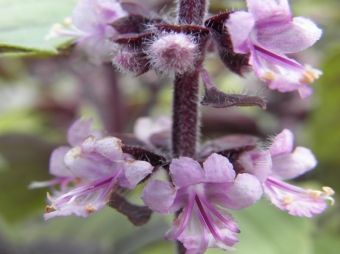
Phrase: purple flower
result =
(76, 134)
(90, 26)
(288, 164)
(152, 130)
(202, 194)
(268, 32)
(97, 165)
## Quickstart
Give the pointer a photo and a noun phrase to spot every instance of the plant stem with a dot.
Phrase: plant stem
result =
(185, 126)
(185, 118)
(185, 114)
(192, 11)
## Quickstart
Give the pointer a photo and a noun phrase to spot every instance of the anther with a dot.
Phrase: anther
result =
(287, 200)
(268, 75)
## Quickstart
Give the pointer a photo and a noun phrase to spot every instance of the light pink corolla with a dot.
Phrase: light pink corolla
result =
(90, 26)
(152, 130)
(202, 194)
(96, 165)
(268, 32)
(76, 134)
(288, 164)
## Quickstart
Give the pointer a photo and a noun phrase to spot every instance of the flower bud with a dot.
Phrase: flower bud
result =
(130, 60)
(173, 53)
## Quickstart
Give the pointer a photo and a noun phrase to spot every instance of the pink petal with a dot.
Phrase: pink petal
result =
(145, 127)
(135, 171)
(79, 131)
(243, 192)
(159, 196)
(239, 26)
(87, 165)
(288, 166)
(218, 169)
(282, 144)
(81, 206)
(294, 199)
(269, 9)
(197, 237)
(305, 92)
(258, 164)
(290, 37)
(185, 171)
(84, 16)
(109, 147)
(57, 164)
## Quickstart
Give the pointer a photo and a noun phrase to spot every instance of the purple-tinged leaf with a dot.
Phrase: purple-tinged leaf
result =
(138, 215)
(139, 10)
(233, 61)
(197, 31)
(144, 155)
(218, 99)
(229, 146)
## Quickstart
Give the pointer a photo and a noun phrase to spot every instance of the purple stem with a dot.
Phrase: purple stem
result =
(185, 114)
(113, 109)
(192, 11)
(185, 125)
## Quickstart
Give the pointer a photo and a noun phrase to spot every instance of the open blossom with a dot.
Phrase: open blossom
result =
(90, 26)
(203, 194)
(288, 164)
(96, 165)
(268, 32)
(76, 134)
(153, 132)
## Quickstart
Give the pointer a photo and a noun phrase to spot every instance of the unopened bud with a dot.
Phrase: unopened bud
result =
(130, 60)
(173, 53)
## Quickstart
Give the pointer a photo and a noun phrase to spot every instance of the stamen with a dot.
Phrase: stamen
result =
(328, 190)
(49, 209)
(72, 199)
(209, 221)
(314, 194)
(313, 74)
(68, 21)
(90, 208)
(306, 78)
(49, 197)
(185, 220)
(205, 230)
(268, 75)
(56, 27)
(218, 215)
(287, 200)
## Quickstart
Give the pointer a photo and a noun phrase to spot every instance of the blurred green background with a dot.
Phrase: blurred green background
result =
(42, 92)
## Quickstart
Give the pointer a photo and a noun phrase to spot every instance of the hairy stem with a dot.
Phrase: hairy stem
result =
(185, 128)
(185, 120)
(185, 114)
(192, 11)
(113, 109)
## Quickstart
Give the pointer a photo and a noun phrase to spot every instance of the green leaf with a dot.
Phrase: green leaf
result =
(26, 159)
(268, 230)
(322, 129)
(24, 25)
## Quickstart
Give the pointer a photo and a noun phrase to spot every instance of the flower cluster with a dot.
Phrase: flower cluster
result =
(96, 166)
(200, 190)
(267, 31)
(201, 186)
(90, 27)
